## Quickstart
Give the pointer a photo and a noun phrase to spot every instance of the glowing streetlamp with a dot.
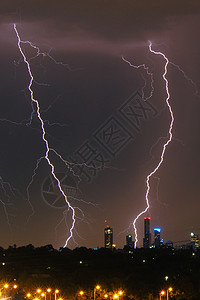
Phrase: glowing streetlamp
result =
(162, 293)
(120, 293)
(49, 291)
(28, 295)
(4, 287)
(56, 292)
(38, 291)
(44, 295)
(169, 290)
(116, 296)
(106, 296)
(97, 287)
(81, 293)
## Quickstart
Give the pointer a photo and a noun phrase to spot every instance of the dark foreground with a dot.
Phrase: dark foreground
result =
(141, 274)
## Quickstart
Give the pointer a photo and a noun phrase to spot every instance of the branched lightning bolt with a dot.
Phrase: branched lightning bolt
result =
(187, 78)
(52, 167)
(165, 144)
(5, 191)
(148, 73)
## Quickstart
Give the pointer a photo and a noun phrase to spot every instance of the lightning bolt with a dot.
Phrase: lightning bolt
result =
(146, 68)
(192, 83)
(6, 190)
(170, 136)
(46, 143)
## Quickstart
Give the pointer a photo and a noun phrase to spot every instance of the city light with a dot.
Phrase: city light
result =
(157, 229)
(162, 293)
(56, 292)
(169, 290)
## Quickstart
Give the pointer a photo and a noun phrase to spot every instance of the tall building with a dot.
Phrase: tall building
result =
(129, 241)
(157, 240)
(108, 234)
(147, 234)
(194, 240)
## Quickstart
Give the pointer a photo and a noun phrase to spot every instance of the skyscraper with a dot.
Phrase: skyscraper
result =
(157, 240)
(147, 234)
(129, 241)
(194, 240)
(108, 234)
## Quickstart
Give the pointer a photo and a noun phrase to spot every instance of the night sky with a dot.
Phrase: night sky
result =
(85, 104)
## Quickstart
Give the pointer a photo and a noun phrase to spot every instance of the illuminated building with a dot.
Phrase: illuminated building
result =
(129, 241)
(147, 234)
(194, 240)
(157, 240)
(108, 234)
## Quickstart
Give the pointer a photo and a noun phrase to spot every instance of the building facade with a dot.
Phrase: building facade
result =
(194, 240)
(129, 241)
(157, 240)
(108, 237)
(147, 233)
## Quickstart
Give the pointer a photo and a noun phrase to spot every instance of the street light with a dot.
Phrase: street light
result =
(80, 293)
(169, 290)
(120, 293)
(56, 292)
(44, 295)
(116, 296)
(4, 287)
(162, 293)
(49, 291)
(97, 287)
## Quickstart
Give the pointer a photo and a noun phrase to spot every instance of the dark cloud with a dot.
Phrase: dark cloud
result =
(105, 19)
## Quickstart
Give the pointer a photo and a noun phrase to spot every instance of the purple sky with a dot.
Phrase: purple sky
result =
(86, 98)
